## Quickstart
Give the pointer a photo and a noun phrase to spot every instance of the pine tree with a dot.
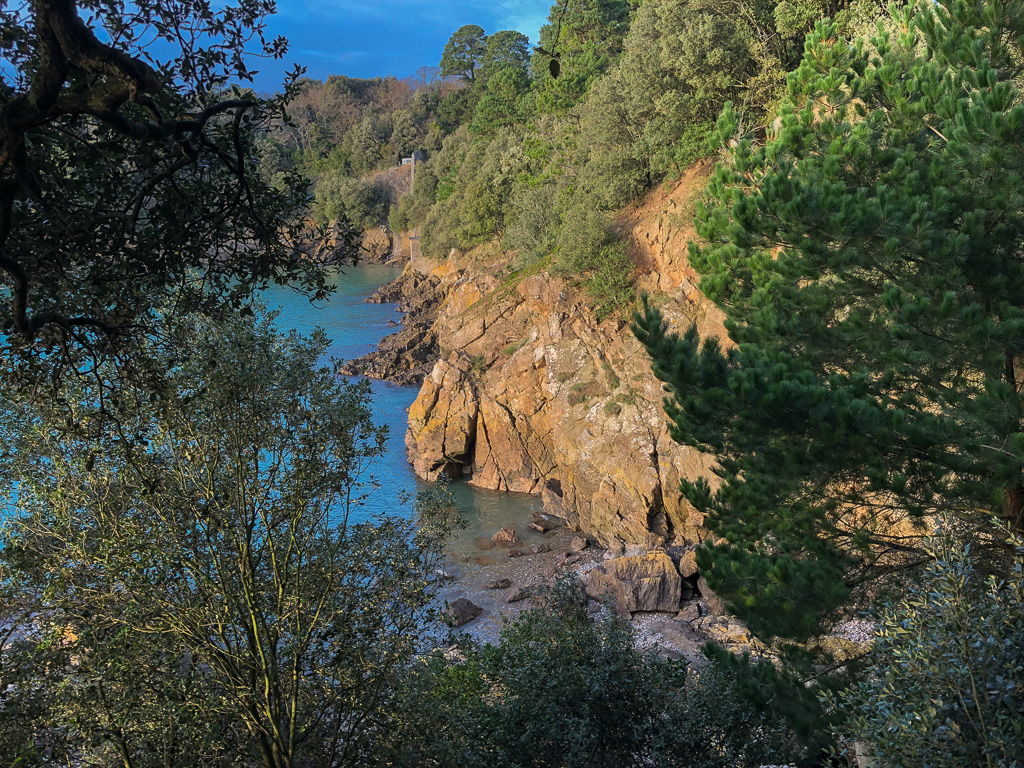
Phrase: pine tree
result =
(868, 257)
(463, 53)
(586, 37)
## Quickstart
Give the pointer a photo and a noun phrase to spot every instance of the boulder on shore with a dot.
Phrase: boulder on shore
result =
(711, 601)
(545, 523)
(506, 537)
(688, 563)
(648, 582)
(462, 611)
(516, 594)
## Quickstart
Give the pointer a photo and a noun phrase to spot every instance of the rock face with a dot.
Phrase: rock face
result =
(409, 355)
(532, 393)
(524, 389)
(645, 583)
(712, 602)
(377, 246)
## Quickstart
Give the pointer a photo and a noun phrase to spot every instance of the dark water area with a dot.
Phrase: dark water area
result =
(354, 328)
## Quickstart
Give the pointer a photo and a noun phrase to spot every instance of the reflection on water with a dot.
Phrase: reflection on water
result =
(355, 328)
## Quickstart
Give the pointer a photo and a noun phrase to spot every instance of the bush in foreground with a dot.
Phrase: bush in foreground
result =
(947, 689)
(564, 689)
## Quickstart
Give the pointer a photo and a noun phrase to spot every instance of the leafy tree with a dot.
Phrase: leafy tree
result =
(868, 260)
(505, 49)
(795, 18)
(359, 204)
(123, 179)
(655, 111)
(564, 689)
(405, 136)
(463, 53)
(534, 231)
(366, 143)
(456, 109)
(412, 209)
(211, 597)
(587, 36)
(946, 686)
(474, 196)
(499, 107)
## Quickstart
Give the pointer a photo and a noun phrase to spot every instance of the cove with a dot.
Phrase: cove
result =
(355, 328)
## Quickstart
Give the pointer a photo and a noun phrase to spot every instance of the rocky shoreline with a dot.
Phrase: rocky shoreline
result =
(524, 389)
(535, 392)
(657, 590)
(408, 356)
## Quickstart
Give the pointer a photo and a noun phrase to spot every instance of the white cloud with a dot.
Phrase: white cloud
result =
(338, 56)
(526, 17)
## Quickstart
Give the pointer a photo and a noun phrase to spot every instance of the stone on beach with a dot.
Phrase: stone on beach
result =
(516, 594)
(462, 611)
(506, 537)
(544, 523)
(649, 582)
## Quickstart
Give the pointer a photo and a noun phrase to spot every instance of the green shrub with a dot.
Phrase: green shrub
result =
(360, 204)
(515, 346)
(478, 365)
(585, 391)
(473, 197)
(565, 690)
(610, 284)
(715, 727)
(398, 216)
(535, 227)
(584, 236)
(591, 252)
(413, 209)
(947, 689)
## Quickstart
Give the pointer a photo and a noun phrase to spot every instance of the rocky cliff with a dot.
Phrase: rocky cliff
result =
(532, 393)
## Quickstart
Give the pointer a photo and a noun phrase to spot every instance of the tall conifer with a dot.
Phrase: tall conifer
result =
(868, 257)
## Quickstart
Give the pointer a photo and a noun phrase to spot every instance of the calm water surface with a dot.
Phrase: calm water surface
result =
(355, 328)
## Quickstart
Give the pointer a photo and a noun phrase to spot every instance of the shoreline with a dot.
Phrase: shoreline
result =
(473, 561)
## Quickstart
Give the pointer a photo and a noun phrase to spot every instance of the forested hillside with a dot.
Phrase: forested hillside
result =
(534, 162)
(735, 286)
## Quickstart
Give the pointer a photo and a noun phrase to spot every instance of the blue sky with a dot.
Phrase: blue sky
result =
(387, 37)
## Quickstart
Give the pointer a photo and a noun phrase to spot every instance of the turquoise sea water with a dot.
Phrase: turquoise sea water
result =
(355, 327)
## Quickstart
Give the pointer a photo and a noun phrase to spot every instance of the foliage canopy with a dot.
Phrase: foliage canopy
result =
(868, 258)
(124, 178)
(211, 596)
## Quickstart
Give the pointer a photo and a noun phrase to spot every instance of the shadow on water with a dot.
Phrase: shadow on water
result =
(355, 327)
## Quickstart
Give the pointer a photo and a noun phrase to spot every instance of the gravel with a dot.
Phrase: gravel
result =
(856, 630)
